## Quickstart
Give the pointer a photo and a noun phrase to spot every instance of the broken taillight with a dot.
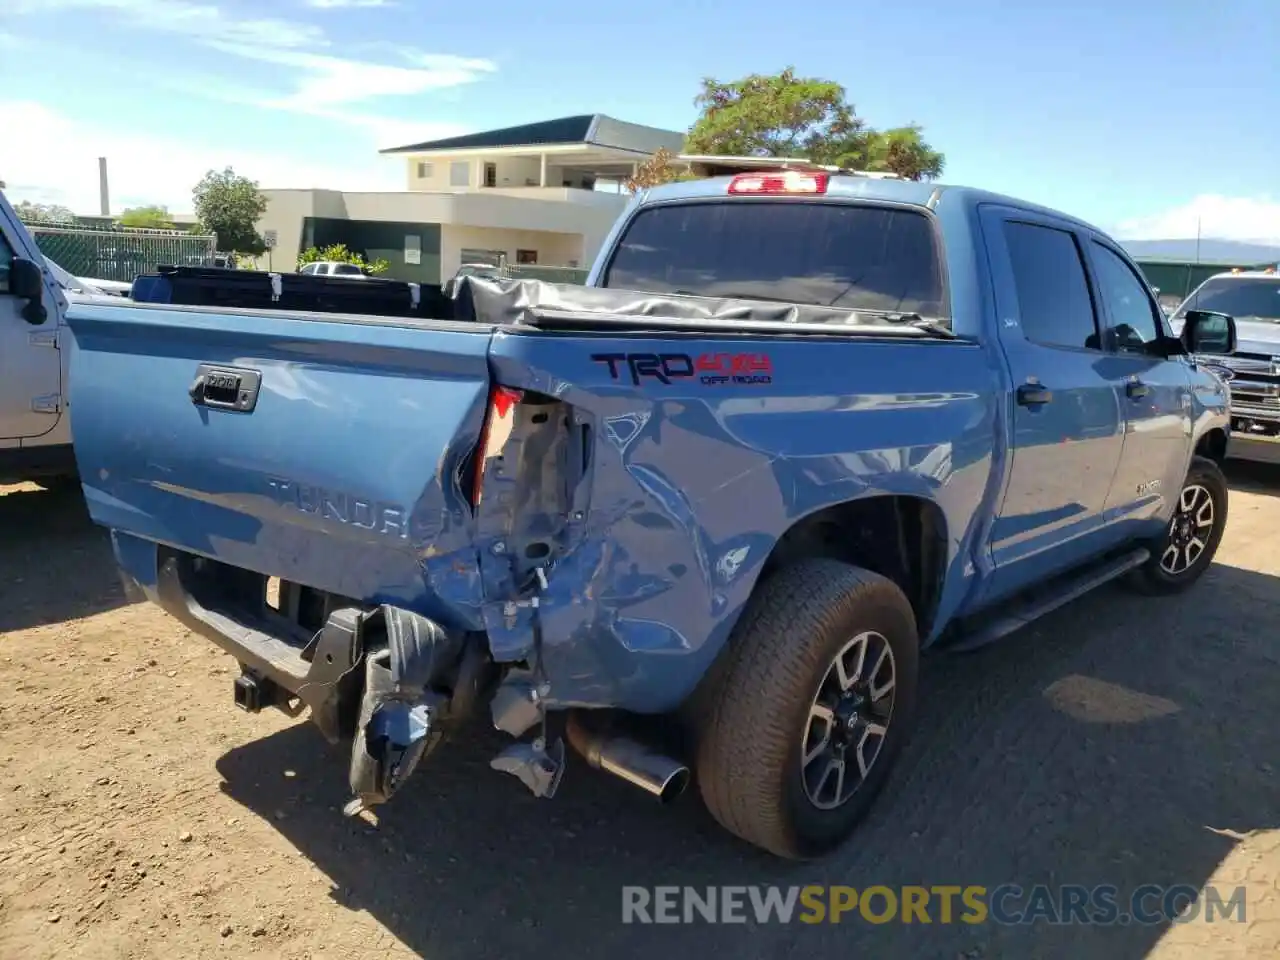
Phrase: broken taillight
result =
(495, 432)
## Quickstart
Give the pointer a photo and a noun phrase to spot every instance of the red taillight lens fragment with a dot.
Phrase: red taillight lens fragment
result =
(502, 400)
(495, 432)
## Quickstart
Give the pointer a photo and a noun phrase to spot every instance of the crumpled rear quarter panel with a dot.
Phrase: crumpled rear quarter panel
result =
(691, 485)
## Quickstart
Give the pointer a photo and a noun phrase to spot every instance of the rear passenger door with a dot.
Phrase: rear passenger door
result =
(1065, 419)
(1152, 389)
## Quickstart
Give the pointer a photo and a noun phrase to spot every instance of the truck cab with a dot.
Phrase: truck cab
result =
(35, 430)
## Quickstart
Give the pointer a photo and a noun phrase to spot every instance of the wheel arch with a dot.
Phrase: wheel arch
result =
(1213, 445)
(900, 536)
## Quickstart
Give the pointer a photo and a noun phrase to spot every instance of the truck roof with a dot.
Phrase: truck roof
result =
(920, 193)
(1267, 274)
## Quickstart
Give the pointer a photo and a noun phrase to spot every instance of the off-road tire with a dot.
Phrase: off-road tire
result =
(750, 738)
(1151, 578)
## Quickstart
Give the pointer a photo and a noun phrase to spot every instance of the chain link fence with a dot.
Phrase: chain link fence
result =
(549, 274)
(121, 253)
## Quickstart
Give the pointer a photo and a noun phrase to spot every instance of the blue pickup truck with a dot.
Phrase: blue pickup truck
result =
(699, 518)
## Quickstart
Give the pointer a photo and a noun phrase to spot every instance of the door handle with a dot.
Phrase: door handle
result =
(1136, 389)
(1034, 395)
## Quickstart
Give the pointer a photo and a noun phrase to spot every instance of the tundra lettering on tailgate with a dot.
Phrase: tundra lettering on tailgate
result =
(339, 505)
(711, 369)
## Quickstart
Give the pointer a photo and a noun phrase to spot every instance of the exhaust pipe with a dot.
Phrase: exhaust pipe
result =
(632, 761)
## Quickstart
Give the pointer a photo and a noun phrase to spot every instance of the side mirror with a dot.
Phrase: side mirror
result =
(1207, 332)
(26, 282)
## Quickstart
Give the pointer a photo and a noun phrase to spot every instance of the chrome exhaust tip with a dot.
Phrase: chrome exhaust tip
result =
(628, 759)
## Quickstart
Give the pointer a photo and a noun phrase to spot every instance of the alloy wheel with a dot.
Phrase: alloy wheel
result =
(848, 720)
(1189, 530)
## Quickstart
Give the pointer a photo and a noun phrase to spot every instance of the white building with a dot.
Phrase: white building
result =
(528, 193)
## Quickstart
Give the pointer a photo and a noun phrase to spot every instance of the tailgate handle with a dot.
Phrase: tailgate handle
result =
(225, 388)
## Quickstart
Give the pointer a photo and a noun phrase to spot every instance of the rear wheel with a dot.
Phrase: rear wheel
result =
(811, 708)
(1180, 556)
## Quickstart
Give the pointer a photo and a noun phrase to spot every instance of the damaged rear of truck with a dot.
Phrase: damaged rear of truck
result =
(702, 529)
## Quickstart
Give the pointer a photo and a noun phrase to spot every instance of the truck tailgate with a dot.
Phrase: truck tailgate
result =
(342, 474)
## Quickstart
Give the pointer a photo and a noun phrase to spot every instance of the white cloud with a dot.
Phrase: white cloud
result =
(56, 162)
(334, 80)
(335, 4)
(200, 20)
(1248, 219)
(317, 82)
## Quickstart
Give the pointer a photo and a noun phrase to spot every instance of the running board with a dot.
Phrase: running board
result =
(1071, 587)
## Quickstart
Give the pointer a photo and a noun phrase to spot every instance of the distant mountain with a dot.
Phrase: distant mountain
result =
(1212, 251)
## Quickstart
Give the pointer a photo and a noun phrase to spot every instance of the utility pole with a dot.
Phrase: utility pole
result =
(104, 196)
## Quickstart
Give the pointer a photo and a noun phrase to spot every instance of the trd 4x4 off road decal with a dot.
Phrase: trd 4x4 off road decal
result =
(711, 369)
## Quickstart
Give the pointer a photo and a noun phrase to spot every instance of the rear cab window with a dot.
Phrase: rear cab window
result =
(851, 256)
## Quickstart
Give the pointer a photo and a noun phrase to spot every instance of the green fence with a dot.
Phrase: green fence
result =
(549, 274)
(121, 253)
(1176, 279)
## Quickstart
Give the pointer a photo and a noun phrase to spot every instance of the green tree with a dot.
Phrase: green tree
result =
(900, 150)
(29, 212)
(338, 253)
(778, 115)
(152, 217)
(784, 115)
(230, 206)
(660, 168)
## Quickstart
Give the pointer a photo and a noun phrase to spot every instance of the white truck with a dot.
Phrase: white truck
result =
(335, 268)
(35, 344)
(1252, 372)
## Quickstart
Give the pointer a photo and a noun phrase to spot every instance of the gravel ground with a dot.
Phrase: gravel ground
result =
(1121, 741)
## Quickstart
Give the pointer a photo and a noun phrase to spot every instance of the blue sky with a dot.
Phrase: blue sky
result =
(1136, 114)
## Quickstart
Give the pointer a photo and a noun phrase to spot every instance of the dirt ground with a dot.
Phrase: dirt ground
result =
(1121, 741)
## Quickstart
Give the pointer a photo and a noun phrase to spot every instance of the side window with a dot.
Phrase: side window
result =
(1053, 290)
(1133, 325)
(310, 268)
(6, 258)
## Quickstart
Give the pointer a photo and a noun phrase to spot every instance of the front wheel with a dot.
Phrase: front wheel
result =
(811, 708)
(1180, 556)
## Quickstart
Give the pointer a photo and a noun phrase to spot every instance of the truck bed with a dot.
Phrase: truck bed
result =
(641, 422)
